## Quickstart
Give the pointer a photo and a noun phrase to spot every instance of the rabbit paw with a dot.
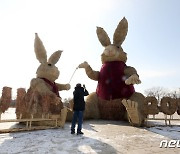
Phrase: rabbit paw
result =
(133, 79)
(83, 65)
(68, 86)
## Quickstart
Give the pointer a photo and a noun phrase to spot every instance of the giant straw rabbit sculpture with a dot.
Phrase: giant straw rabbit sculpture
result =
(115, 97)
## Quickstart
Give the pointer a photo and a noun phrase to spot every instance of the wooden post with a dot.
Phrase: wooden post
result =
(56, 123)
(26, 124)
(20, 117)
(146, 120)
(171, 117)
(30, 123)
(165, 118)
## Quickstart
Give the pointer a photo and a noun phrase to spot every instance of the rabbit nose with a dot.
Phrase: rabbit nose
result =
(111, 53)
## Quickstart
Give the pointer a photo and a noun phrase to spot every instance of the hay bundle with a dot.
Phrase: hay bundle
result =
(56, 104)
(5, 99)
(20, 101)
(111, 110)
(168, 105)
(71, 104)
(30, 100)
(151, 105)
(92, 109)
(42, 103)
(45, 104)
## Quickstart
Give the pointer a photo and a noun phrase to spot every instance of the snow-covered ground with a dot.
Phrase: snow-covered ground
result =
(106, 137)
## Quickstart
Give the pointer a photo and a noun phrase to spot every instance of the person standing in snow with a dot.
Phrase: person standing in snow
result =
(79, 107)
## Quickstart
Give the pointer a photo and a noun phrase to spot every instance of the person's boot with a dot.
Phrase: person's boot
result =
(72, 131)
(80, 133)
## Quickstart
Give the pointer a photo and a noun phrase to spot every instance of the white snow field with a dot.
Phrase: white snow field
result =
(104, 137)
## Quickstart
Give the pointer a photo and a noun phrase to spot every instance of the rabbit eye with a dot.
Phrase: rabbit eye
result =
(117, 47)
(49, 65)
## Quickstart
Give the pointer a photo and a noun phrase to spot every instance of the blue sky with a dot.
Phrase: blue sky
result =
(152, 42)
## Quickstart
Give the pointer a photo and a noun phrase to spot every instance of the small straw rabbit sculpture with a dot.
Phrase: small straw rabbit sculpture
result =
(43, 95)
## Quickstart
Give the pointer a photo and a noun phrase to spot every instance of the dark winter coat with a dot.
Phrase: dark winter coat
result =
(79, 103)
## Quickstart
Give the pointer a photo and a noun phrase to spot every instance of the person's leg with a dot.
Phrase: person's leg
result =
(80, 121)
(74, 120)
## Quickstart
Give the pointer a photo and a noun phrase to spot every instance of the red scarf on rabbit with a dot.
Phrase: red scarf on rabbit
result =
(111, 82)
(53, 85)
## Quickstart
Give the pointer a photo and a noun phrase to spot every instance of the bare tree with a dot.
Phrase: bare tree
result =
(158, 92)
(175, 93)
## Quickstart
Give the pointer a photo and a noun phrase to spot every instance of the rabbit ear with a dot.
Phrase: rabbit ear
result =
(103, 37)
(39, 49)
(53, 59)
(120, 32)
